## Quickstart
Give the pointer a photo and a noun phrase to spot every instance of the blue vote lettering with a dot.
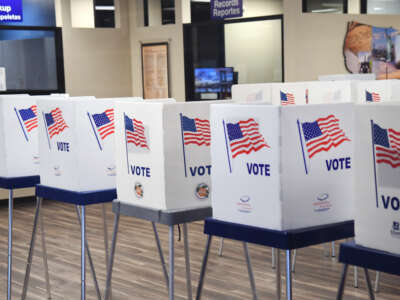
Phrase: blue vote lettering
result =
(62, 146)
(140, 171)
(394, 202)
(259, 169)
(338, 163)
(200, 170)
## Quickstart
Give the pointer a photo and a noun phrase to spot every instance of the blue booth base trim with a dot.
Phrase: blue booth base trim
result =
(19, 182)
(286, 239)
(77, 198)
(353, 254)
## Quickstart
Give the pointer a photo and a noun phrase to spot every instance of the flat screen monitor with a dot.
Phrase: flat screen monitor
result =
(213, 80)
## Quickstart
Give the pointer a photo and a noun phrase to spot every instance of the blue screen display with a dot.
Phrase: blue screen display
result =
(213, 80)
(31, 13)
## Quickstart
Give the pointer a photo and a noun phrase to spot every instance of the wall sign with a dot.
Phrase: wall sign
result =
(155, 70)
(370, 49)
(222, 9)
(11, 11)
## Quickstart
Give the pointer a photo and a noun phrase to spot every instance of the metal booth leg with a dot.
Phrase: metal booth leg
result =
(278, 274)
(107, 294)
(273, 250)
(355, 277)
(294, 261)
(221, 247)
(160, 252)
(10, 231)
(187, 261)
(369, 285)
(203, 268)
(342, 283)
(83, 252)
(171, 263)
(44, 252)
(81, 218)
(377, 279)
(333, 253)
(250, 270)
(288, 275)
(106, 249)
(31, 248)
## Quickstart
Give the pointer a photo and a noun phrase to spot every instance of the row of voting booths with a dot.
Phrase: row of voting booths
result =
(280, 157)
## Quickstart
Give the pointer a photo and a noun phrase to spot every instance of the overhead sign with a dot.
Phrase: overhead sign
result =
(222, 9)
(10, 10)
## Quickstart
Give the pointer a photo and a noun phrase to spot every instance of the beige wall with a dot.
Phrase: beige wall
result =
(97, 61)
(173, 34)
(314, 42)
(82, 13)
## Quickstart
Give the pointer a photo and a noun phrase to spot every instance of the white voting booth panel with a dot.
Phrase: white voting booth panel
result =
(341, 77)
(18, 136)
(320, 92)
(282, 167)
(377, 176)
(289, 93)
(76, 143)
(377, 91)
(249, 93)
(163, 154)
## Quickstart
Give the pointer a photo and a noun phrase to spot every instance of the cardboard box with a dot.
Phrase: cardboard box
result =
(18, 136)
(377, 176)
(163, 154)
(76, 143)
(273, 169)
(289, 93)
(320, 92)
(249, 93)
(377, 91)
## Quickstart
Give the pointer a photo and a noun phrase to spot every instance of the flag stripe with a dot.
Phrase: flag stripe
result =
(196, 131)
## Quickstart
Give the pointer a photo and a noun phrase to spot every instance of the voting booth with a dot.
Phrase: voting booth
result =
(76, 143)
(250, 93)
(320, 92)
(289, 93)
(377, 91)
(18, 136)
(163, 154)
(377, 176)
(282, 167)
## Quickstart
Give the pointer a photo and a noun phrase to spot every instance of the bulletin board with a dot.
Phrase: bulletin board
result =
(155, 70)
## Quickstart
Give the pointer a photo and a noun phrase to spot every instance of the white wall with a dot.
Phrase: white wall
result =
(82, 13)
(262, 44)
(256, 8)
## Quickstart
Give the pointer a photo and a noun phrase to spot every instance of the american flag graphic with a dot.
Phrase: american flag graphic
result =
(372, 97)
(387, 146)
(104, 123)
(196, 131)
(244, 137)
(29, 117)
(287, 98)
(55, 122)
(135, 133)
(322, 135)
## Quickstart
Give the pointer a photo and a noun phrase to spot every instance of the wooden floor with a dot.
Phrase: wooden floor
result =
(137, 271)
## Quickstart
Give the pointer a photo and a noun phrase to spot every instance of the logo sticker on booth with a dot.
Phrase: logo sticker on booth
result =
(242, 138)
(27, 118)
(202, 191)
(195, 133)
(138, 190)
(322, 135)
(372, 97)
(287, 99)
(102, 125)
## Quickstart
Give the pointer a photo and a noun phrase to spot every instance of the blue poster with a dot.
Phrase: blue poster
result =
(222, 9)
(10, 11)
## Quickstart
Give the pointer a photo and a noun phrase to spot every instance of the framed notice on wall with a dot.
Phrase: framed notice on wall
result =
(155, 70)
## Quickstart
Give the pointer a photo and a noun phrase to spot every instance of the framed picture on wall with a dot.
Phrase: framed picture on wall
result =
(155, 70)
